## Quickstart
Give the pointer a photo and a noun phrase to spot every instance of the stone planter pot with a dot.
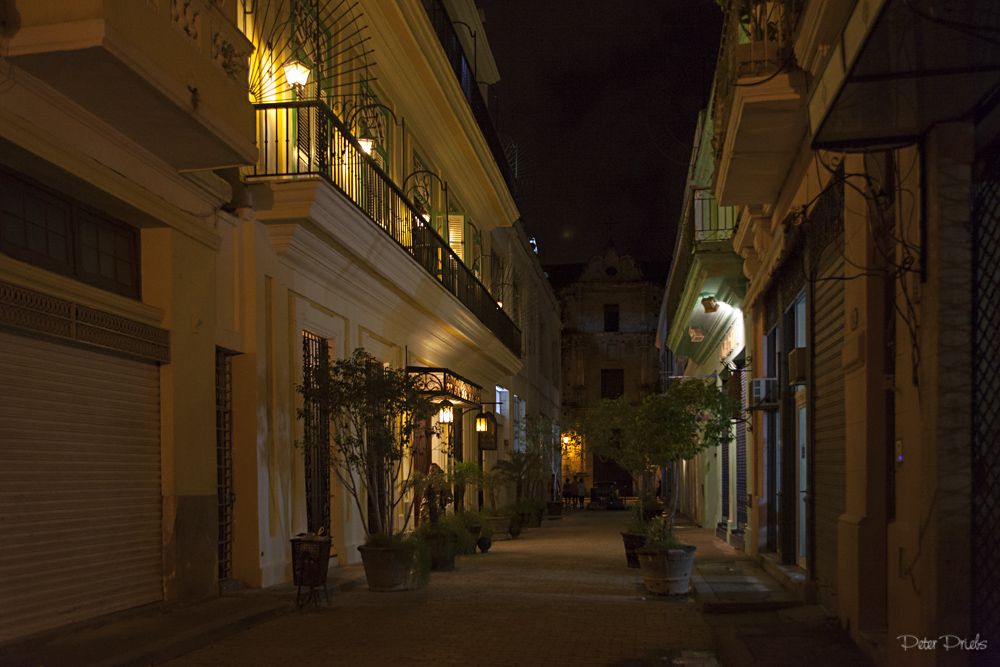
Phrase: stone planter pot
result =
(500, 526)
(554, 507)
(667, 572)
(444, 549)
(533, 521)
(632, 542)
(475, 531)
(385, 569)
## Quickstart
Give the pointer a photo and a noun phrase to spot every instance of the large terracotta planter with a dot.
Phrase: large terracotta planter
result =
(632, 542)
(667, 572)
(385, 569)
(500, 526)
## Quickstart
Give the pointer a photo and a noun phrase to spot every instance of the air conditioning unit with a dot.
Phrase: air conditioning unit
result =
(797, 361)
(765, 390)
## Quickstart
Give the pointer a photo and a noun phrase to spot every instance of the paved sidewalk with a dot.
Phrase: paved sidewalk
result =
(558, 595)
(156, 633)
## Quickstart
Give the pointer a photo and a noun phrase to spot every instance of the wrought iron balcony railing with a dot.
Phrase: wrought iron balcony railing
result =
(307, 139)
(681, 266)
(445, 29)
(757, 41)
(711, 221)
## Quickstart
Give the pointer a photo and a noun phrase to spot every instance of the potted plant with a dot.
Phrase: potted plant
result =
(541, 434)
(659, 432)
(372, 411)
(494, 518)
(644, 511)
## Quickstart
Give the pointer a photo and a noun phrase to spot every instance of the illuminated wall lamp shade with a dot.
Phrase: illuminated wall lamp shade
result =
(696, 335)
(446, 413)
(296, 73)
(710, 304)
(367, 143)
(481, 423)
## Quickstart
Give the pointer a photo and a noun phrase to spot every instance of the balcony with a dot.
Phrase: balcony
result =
(306, 139)
(445, 31)
(759, 114)
(705, 267)
(172, 76)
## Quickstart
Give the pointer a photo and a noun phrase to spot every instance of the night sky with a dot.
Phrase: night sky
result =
(601, 98)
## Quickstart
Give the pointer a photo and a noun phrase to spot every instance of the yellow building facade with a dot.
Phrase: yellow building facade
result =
(183, 227)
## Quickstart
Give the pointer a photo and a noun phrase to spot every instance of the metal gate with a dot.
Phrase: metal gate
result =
(317, 447)
(986, 406)
(224, 459)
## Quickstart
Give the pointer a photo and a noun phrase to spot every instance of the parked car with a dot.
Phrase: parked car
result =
(604, 496)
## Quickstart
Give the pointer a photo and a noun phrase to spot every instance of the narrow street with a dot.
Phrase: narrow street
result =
(558, 595)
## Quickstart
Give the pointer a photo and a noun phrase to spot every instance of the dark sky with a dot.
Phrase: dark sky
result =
(601, 98)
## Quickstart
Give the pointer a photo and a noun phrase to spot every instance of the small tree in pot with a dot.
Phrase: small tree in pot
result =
(372, 411)
(660, 432)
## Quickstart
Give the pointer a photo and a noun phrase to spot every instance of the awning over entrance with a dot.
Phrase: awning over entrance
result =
(441, 384)
(900, 66)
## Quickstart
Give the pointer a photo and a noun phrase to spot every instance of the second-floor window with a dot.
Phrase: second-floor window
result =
(611, 321)
(49, 230)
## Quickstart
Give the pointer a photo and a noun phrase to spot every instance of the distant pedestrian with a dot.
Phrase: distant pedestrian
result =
(569, 493)
(581, 491)
(659, 488)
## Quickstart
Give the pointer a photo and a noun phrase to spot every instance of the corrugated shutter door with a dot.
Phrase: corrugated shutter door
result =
(828, 404)
(80, 499)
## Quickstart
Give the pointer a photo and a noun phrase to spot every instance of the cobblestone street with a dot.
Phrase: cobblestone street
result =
(558, 595)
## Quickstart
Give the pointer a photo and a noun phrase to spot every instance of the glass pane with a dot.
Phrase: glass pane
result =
(36, 239)
(13, 230)
(89, 262)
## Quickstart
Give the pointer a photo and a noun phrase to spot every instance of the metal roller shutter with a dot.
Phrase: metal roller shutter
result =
(80, 499)
(829, 444)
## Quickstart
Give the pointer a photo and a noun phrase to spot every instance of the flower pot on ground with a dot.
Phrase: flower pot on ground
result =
(527, 513)
(499, 527)
(554, 507)
(644, 510)
(632, 542)
(446, 539)
(395, 563)
(667, 572)
(666, 563)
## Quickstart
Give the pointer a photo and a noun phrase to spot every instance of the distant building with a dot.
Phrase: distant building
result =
(609, 315)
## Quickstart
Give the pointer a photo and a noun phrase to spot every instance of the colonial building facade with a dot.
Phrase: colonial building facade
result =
(609, 321)
(857, 143)
(197, 199)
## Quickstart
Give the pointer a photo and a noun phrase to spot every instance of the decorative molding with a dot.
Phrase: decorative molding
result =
(229, 58)
(35, 312)
(186, 17)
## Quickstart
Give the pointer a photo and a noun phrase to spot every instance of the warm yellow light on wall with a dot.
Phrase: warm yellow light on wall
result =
(296, 73)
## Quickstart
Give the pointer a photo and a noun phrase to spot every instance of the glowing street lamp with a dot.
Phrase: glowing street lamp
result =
(296, 73)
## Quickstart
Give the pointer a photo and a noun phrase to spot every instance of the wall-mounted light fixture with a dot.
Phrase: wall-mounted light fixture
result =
(710, 304)
(696, 335)
(367, 141)
(297, 74)
(482, 424)
(446, 413)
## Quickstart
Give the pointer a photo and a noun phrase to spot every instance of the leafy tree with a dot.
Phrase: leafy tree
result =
(664, 429)
(372, 412)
